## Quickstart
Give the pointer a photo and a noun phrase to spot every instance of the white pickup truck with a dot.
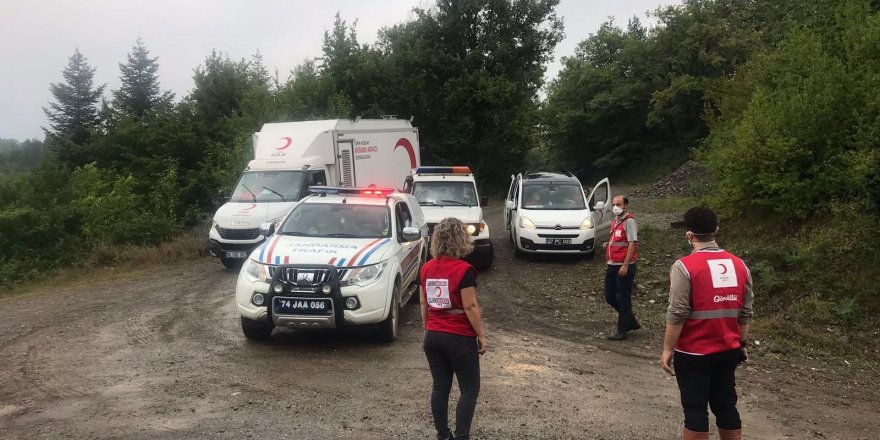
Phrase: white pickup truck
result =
(452, 192)
(342, 256)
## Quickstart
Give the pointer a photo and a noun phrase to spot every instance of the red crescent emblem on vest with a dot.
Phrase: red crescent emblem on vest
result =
(725, 268)
(439, 292)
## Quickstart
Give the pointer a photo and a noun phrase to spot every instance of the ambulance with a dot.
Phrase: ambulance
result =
(342, 257)
(290, 157)
(452, 192)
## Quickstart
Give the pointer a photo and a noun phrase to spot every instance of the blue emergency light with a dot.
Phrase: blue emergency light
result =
(350, 191)
(444, 170)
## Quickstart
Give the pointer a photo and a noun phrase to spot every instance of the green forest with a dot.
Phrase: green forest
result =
(779, 99)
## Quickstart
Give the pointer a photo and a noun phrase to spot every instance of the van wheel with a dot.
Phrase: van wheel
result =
(256, 330)
(388, 328)
(232, 263)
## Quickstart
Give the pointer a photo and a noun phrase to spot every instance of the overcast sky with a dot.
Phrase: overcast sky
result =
(38, 37)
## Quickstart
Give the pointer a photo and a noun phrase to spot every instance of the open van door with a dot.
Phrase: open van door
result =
(510, 197)
(599, 202)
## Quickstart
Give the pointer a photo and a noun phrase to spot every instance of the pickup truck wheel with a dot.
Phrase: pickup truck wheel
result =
(232, 263)
(388, 329)
(485, 261)
(255, 330)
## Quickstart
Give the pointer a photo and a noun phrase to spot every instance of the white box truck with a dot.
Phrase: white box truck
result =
(291, 156)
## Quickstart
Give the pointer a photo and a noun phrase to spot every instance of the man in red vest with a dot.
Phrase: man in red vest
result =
(707, 322)
(621, 255)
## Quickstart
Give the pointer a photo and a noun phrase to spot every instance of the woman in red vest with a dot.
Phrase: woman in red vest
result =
(707, 322)
(454, 336)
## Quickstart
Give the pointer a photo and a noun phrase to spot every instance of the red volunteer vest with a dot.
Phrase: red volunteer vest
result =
(718, 279)
(440, 278)
(618, 244)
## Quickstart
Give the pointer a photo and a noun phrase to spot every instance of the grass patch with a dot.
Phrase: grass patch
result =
(114, 263)
(664, 205)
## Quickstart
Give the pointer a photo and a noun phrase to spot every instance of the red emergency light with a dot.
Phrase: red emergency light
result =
(350, 191)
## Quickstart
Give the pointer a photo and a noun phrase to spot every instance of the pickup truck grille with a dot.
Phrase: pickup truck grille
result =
(238, 234)
(302, 277)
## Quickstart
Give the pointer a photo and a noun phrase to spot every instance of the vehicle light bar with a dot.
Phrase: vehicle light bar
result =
(444, 170)
(350, 191)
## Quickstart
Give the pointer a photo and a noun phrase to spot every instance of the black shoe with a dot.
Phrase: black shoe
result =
(633, 322)
(623, 325)
(616, 336)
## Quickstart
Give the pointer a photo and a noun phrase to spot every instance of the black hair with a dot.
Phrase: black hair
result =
(701, 220)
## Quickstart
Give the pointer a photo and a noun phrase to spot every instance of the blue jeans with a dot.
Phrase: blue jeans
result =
(618, 289)
(450, 354)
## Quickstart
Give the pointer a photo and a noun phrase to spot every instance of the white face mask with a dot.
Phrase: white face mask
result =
(617, 210)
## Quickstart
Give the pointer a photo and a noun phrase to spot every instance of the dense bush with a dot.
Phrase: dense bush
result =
(795, 150)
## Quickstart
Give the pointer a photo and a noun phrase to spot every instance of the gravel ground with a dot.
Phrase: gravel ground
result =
(162, 357)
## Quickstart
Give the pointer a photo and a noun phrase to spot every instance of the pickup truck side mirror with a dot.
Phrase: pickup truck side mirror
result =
(411, 234)
(510, 204)
(484, 200)
(267, 229)
(599, 206)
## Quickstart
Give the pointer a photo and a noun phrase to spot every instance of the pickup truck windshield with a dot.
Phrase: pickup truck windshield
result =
(553, 197)
(445, 193)
(268, 186)
(338, 220)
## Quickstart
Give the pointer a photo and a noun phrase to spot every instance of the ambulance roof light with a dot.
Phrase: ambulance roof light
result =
(444, 170)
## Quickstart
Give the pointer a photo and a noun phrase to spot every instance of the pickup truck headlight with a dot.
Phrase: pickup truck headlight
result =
(255, 271)
(471, 229)
(587, 223)
(526, 223)
(363, 276)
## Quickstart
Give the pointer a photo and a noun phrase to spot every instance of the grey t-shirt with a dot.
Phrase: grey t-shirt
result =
(632, 234)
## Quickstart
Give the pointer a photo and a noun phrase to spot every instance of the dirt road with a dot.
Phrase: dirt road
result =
(162, 357)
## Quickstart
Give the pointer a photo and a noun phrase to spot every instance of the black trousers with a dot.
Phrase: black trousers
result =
(450, 354)
(711, 380)
(618, 290)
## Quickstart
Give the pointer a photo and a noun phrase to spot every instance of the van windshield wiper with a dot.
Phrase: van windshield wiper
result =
(249, 190)
(276, 192)
(427, 203)
(456, 202)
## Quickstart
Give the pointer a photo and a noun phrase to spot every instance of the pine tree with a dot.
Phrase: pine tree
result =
(74, 115)
(139, 92)
(258, 72)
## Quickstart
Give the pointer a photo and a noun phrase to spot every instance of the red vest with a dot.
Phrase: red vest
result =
(440, 278)
(618, 244)
(718, 279)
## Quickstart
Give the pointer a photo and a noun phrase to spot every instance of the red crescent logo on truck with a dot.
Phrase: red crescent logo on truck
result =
(404, 142)
(253, 205)
(287, 141)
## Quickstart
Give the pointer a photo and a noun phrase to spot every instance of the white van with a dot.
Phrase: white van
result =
(290, 157)
(548, 213)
